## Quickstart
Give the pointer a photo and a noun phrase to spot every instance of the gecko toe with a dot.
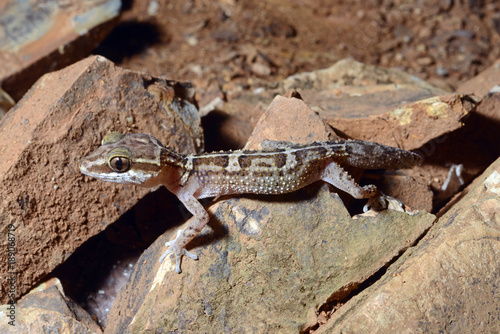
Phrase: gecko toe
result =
(383, 202)
(376, 203)
(179, 252)
(190, 255)
(168, 251)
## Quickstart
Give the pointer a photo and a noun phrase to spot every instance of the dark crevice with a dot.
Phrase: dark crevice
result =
(93, 275)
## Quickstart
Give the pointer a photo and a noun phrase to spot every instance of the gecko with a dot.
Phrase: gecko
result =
(280, 167)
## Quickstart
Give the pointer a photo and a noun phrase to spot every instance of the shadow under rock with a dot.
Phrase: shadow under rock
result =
(130, 38)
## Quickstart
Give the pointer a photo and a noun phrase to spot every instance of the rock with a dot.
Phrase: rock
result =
(46, 307)
(411, 187)
(382, 105)
(51, 205)
(348, 72)
(353, 89)
(267, 264)
(473, 146)
(284, 114)
(485, 81)
(37, 37)
(411, 125)
(393, 108)
(448, 282)
(6, 102)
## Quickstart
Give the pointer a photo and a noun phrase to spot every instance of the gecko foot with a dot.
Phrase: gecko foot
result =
(383, 202)
(179, 252)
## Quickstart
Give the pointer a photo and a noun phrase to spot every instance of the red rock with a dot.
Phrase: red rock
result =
(53, 207)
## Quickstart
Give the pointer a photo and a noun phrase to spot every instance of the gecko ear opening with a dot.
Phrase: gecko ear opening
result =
(111, 138)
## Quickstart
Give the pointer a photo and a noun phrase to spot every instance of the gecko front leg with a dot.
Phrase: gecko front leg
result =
(198, 221)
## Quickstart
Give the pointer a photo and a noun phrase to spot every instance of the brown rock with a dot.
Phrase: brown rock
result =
(350, 73)
(52, 207)
(411, 125)
(481, 84)
(386, 106)
(37, 37)
(284, 115)
(350, 89)
(289, 255)
(474, 145)
(277, 258)
(408, 186)
(47, 307)
(448, 282)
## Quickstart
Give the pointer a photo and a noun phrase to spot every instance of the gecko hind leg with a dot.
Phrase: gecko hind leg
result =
(178, 252)
(339, 178)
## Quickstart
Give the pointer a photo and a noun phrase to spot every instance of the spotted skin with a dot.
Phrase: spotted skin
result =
(280, 167)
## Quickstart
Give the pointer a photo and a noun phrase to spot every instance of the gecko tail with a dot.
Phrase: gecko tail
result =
(368, 155)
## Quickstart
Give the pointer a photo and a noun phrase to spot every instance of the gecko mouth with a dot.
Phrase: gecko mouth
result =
(130, 177)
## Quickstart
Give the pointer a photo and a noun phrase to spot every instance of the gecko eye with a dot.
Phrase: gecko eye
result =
(119, 164)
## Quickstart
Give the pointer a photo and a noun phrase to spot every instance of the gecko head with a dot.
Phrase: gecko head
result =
(125, 158)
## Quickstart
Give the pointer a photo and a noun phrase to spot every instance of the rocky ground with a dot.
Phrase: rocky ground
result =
(204, 75)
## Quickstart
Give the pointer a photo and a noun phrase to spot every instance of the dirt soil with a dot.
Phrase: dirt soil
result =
(238, 45)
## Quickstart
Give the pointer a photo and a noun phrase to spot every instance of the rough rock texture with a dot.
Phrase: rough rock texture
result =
(383, 105)
(47, 310)
(53, 207)
(267, 264)
(352, 90)
(37, 37)
(347, 75)
(411, 125)
(448, 282)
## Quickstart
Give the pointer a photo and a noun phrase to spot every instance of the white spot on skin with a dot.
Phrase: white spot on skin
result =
(233, 164)
(189, 163)
(291, 162)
